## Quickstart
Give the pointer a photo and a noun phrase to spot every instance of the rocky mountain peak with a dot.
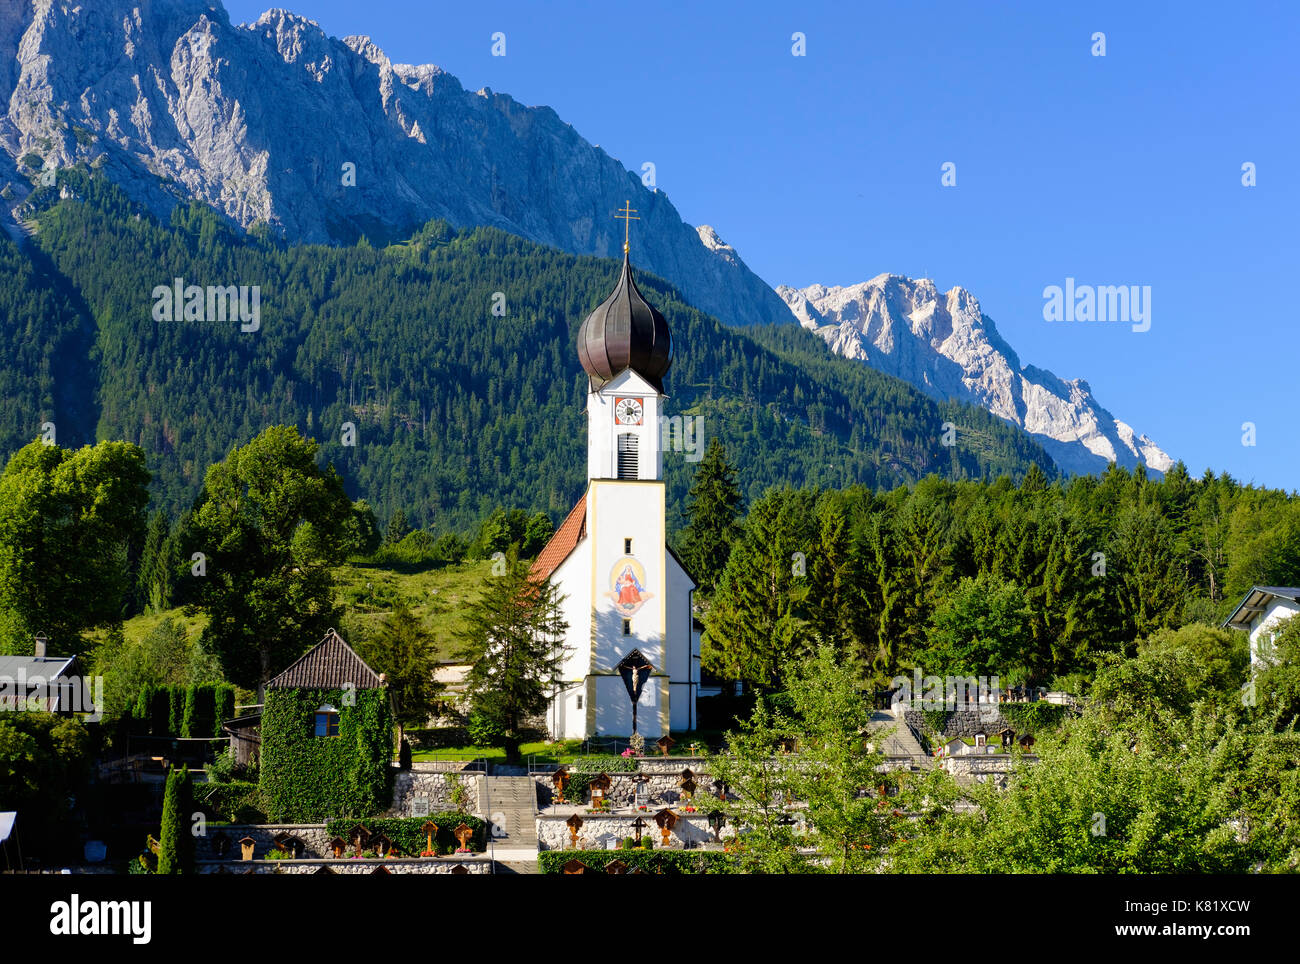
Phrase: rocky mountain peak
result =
(946, 346)
(259, 120)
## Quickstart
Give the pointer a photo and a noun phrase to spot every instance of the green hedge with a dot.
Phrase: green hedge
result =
(406, 835)
(305, 778)
(437, 737)
(1033, 717)
(584, 768)
(671, 862)
(184, 711)
(235, 802)
(607, 763)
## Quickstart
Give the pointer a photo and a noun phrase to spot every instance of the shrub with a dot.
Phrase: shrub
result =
(613, 763)
(671, 862)
(935, 720)
(408, 838)
(223, 701)
(189, 714)
(1033, 717)
(175, 842)
(483, 731)
(175, 710)
(235, 802)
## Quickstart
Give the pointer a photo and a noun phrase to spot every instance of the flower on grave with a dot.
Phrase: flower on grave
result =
(626, 753)
(463, 850)
(427, 853)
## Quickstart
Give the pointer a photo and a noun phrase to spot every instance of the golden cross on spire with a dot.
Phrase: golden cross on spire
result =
(626, 214)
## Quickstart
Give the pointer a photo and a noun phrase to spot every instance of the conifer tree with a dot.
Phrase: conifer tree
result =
(713, 511)
(758, 624)
(403, 651)
(514, 632)
(175, 842)
(398, 528)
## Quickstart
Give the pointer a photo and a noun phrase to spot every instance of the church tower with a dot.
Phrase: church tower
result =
(633, 657)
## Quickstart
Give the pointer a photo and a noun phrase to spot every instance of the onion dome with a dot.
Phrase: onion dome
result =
(625, 331)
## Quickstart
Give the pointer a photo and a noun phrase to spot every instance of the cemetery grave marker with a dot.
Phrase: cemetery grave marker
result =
(666, 820)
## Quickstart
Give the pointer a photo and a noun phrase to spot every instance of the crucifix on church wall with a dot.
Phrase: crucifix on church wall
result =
(635, 670)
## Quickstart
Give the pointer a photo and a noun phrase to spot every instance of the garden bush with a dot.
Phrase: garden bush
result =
(408, 838)
(670, 862)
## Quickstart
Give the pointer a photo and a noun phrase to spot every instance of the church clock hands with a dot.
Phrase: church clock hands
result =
(628, 411)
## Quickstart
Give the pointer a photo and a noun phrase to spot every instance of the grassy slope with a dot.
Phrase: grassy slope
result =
(368, 593)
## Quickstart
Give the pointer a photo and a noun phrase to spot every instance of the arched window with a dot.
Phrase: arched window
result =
(327, 721)
(627, 456)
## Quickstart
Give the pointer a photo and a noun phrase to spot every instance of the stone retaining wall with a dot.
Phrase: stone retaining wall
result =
(425, 865)
(434, 785)
(663, 788)
(316, 842)
(961, 722)
(598, 829)
(995, 767)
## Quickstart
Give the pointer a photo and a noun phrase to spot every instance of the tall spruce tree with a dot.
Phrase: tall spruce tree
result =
(713, 511)
(758, 623)
(403, 651)
(514, 632)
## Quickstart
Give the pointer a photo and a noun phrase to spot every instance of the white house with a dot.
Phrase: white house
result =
(1260, 613)
(627, 597)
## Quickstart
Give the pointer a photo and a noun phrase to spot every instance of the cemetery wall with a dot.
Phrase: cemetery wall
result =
(413, 783)
(663, 787)
(313, 836)
(426, 865)
(983, 769)
(670, 764)
(599, 829)
(960, 722)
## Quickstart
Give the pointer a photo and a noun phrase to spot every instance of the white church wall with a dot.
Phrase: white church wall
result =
(572, 580)
(620, 511)
(678, 641)
(614, 709)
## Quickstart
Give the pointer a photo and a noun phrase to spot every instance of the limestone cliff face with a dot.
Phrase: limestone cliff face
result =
(259, 120)
(944, 345)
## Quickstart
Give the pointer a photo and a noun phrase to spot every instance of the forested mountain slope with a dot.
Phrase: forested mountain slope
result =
(456, 410)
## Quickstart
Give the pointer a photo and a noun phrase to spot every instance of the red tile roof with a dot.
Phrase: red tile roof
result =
(571, 531)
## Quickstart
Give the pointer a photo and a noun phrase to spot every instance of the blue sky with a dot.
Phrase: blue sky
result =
(1123, 169)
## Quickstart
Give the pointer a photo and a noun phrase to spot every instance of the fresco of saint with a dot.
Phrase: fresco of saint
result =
(628, 587)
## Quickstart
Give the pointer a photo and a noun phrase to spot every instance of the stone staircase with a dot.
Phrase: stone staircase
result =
(900, 740)
(510, 806)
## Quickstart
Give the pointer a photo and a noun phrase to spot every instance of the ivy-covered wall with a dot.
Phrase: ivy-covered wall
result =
(305, 778)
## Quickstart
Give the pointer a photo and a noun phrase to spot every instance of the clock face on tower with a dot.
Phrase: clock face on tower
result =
(628, 411)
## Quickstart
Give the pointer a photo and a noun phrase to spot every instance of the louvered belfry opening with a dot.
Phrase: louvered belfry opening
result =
(627, 456)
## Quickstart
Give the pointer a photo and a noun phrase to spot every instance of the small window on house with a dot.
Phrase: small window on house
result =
(579, 701)
(627, 547)
(627, 456)
(627, 627)
(327, 721)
